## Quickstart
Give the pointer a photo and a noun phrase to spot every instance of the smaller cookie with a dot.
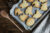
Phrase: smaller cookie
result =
(18, 11)
(24, 4)
(30, 0)
(30, 22)
(44, 7)
(36, 4)
(29, 10)
(37, 15)
(23, 17)
(43, 1)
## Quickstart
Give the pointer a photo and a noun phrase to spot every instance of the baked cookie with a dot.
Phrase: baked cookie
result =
(43, 1)
(29, 10)
(44, 7)
(24, 4)
(23, 17)
(37, 15)
(18, 11)
(30, 22)
(30, 0)
(36, 4)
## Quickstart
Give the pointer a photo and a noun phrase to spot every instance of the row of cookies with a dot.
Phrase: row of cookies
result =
(42, 6)
(37, 0)
(36, 3)
(22, 15)
(27, 12)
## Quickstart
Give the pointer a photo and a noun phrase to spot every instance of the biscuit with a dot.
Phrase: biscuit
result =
(30, 22)
(23, 17)
(37, 15)
(36, 4)
(24, 4)
(44, 7)
(18, 11)
(29, 10)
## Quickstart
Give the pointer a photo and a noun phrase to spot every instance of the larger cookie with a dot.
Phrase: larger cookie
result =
(30, 22)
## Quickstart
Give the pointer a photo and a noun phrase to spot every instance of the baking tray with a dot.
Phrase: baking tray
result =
(23, 24)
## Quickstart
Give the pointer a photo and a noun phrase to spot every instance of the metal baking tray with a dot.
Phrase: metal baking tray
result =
(23, 23)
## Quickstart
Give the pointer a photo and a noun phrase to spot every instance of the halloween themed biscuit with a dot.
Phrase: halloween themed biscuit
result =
(23, 17)
(29, 10)
(18, 11)
(24, 4)
(36, 4)
(37, 15)
(44, 7)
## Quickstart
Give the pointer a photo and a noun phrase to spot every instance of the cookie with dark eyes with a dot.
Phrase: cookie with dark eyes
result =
(37, 15)
(18, 11)
(44, 7)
